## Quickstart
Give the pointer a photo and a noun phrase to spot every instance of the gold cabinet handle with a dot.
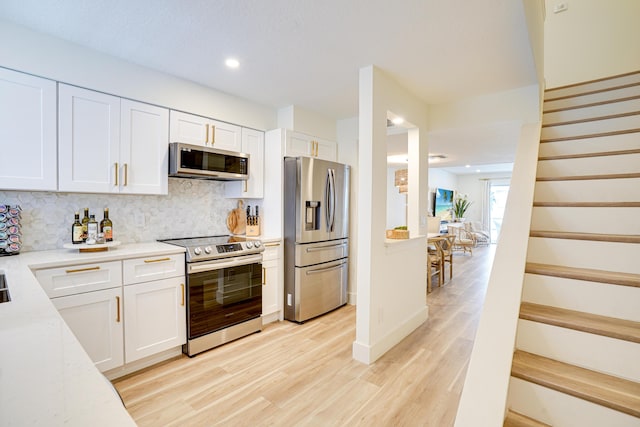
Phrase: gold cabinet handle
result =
(147, 261)
(182, 290)
(245, 186)
(79, 270)
(316, 148)
(117, 173)
(213, 134)
(126, 174)
(264, 276)
(118, 309)
(206, 141)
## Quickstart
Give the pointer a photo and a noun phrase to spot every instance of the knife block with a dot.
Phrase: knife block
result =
(253, 230)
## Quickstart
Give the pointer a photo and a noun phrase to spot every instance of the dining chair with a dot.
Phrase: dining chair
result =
(445, 246)
(465, 241)
(434, 265)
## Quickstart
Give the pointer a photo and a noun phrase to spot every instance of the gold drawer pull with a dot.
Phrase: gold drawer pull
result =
(148, 261)
(206, 141)
(182, 289)
(80, 270)
(271, 245)
(117, 173)
(264, 276)
(118, 309)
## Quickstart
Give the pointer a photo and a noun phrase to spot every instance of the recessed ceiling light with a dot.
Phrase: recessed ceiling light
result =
(478, 170)
(397, 121)
(467, 166)
(232, 63)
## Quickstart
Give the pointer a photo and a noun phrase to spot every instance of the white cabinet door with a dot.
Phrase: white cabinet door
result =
(272, 281)
(326, 150)
(155, 317)
(96, 320)
(144, 138)
(189, 129)
(253, 188)
(297, 144)
(89, 139)
(146, 269)
(226, 136)
(75, 279)
(27, 132)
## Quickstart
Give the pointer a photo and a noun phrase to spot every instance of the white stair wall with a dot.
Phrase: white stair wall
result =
(603, 299)
(597, 190)
(592, 112)
(596, 85)
(598, 353)
(562, 410)
(607, 220)
(624, 141)
(593, 98)
(608, 256)
(626, 163)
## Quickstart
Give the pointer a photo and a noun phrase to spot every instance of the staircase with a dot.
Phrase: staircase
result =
(577, 357)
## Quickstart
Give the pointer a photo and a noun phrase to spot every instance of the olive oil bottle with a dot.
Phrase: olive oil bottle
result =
(106, 226)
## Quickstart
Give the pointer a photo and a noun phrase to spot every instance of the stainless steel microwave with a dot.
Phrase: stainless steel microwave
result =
(195, 161)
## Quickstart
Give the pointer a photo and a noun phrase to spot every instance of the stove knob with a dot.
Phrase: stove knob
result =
(249, 245)
(197, 251)
(207, 250)
(257, 243)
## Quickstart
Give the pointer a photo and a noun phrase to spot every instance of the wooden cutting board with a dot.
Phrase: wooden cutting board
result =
(237, 219)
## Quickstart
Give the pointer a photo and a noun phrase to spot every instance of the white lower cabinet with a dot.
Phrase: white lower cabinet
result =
(272, 283)
(155, 317)
(96, 319)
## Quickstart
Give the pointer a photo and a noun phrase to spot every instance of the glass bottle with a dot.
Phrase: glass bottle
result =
(92, 228)
(76, 230)
(85, 222)
(106, 226)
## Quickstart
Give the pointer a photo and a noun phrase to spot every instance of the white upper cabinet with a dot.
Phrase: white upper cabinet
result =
(198, 130)
(109, 145)
(27, 132)
(144, 140)
(253, 188)
(299, 144)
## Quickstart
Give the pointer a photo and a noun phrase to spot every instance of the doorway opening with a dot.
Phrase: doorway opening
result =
(497, 202)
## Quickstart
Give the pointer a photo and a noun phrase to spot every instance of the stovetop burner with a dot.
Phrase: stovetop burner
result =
(214, 247)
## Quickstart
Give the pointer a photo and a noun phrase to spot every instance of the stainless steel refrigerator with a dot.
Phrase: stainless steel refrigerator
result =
(316, 236)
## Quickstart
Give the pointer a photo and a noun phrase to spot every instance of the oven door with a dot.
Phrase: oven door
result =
(223, 293)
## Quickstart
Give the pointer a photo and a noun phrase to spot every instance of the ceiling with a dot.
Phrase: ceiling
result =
(304, 52)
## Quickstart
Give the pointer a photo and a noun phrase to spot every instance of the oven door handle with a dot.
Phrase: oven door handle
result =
(227, 262)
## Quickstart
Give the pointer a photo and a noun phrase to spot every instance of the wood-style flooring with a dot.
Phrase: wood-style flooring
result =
(304, 375)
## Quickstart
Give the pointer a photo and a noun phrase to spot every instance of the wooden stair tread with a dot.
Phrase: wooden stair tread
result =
(592, 135)
(587, 82)
(590, 92)
(620, 238)
(592, 104)
(612, 327)
(515, 419)
(587, 204)
(586, 274)
(589, 177)
(606, 390)
(593, 154)
(591, 119)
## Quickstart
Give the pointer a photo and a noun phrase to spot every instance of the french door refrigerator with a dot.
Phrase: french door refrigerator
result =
(316, 236)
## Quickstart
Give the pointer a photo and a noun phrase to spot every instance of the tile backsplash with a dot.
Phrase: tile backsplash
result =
(192, 208)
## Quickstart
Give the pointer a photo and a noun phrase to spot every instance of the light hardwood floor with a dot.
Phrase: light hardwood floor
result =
(303, 375)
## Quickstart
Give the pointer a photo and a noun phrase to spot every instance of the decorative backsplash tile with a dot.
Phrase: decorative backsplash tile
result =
(192, 208)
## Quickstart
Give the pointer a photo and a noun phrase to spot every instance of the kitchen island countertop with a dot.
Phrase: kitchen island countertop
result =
(46, 377)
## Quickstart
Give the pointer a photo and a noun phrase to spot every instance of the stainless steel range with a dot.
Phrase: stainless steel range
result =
(224, 289)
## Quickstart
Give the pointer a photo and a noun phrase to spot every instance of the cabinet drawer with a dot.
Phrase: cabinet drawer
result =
(76, 279)
(146, 269)
(271, 251)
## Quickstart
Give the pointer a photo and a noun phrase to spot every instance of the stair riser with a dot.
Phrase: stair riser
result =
(591, 127)
(605, 165)
(593, 98)
(627, 141)
(609, 256)
(597, 190)
(598, 353)
(586, 220)
(603, 299)
(589, 87)
(559, 409)
(592, 112)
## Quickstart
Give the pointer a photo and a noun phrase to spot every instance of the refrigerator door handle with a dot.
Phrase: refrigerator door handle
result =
(324, 270)
(332, 200)
(324, 248)
(327, 200)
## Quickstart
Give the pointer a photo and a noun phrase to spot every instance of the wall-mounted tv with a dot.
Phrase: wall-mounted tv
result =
(443, 203)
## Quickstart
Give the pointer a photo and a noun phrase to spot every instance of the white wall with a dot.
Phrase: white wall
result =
(590, 40)
(391, 287)
(31, 52)
(396, 202)
(297, 118)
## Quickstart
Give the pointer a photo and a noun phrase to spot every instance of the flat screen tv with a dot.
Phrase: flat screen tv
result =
(443, 203)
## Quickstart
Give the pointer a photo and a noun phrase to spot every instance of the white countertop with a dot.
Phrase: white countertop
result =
(46, 377)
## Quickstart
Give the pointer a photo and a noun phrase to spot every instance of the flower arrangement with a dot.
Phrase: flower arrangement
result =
(460, 205)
